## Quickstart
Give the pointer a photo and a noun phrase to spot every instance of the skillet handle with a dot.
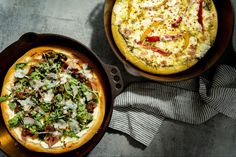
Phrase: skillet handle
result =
(131, 70)
(115, 79)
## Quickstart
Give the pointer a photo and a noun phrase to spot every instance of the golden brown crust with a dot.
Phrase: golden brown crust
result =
(214, 29)
(163, 70)
(71, 145)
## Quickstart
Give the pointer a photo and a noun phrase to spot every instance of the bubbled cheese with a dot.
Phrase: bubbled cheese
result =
(144, 13)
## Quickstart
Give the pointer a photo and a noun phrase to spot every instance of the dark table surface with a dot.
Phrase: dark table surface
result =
(83, 21)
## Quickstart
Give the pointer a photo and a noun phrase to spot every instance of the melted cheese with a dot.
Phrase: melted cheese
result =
(20, 73)
(144, 13)
(61, 124)
(63, 78)
(48, 96)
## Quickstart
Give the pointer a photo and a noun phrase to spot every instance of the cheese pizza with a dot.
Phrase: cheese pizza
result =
(164, 36)
(52, 99)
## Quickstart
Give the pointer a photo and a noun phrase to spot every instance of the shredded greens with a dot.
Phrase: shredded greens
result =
(20, 65)
(4, 98)
(49, 95)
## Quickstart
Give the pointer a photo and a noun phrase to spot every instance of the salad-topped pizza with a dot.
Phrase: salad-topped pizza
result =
(53, 99)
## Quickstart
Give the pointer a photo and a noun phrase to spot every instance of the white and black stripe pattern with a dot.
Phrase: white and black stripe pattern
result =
(141, 108)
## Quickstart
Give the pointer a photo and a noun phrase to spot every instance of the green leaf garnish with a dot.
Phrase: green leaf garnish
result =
(16, 119)
(68, 88)
(59, 97)
(20, 65)
(73, 81)
(4, 98)
(12, 105)
(83, 88)
(45, 106)
(70, 133)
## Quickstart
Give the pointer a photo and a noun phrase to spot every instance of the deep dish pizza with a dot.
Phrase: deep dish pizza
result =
(164, 36)
(53, 99)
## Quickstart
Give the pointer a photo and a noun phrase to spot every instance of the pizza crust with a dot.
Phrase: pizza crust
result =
(213, 31)
(70, 145)
(122, 46)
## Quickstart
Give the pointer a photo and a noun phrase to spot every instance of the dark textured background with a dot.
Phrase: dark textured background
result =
(83, 20)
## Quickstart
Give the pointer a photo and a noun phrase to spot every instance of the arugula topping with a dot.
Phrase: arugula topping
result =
(83, 88)
(20, 65)
(4, 98)
(68, 88)
(59, 97)
(16, 119)
(70, 133)
(45, 106)
(36, 115)
(12, 105)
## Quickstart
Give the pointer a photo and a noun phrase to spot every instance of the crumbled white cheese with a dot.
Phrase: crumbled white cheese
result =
(63, 78)
(36, 141)
(26, 102)
(121, 11)
(28, 120)
(118, 8)
(57, 133)
(193, 40)
(89, 96)
(82, 132)
(74, 90)
(204, 47)
(52, 75)
(150, 3)
(70, 105)
(20, 73)
(74, 114)
(82, 101)
(70, 139)
(58, 144)
(48, 96)
(36, 84)
(61, 124)
(72, 63)
(74, 125)
(51, 84)
(44, 144)
(85, 66)
(65, 111)
(171, 3)
(88, 74)
(39, 109)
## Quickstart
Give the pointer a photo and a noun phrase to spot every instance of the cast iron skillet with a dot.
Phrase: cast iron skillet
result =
(224, 35)
(110, 76)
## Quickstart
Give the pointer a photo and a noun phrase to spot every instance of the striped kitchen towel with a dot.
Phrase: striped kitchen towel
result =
(140, 110)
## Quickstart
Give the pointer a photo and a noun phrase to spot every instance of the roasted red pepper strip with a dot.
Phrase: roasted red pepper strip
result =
(148, 30)
(166, 37)
(172, 37)
(153, 38)
(200, 19)
(176, 24)
(155, 49)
